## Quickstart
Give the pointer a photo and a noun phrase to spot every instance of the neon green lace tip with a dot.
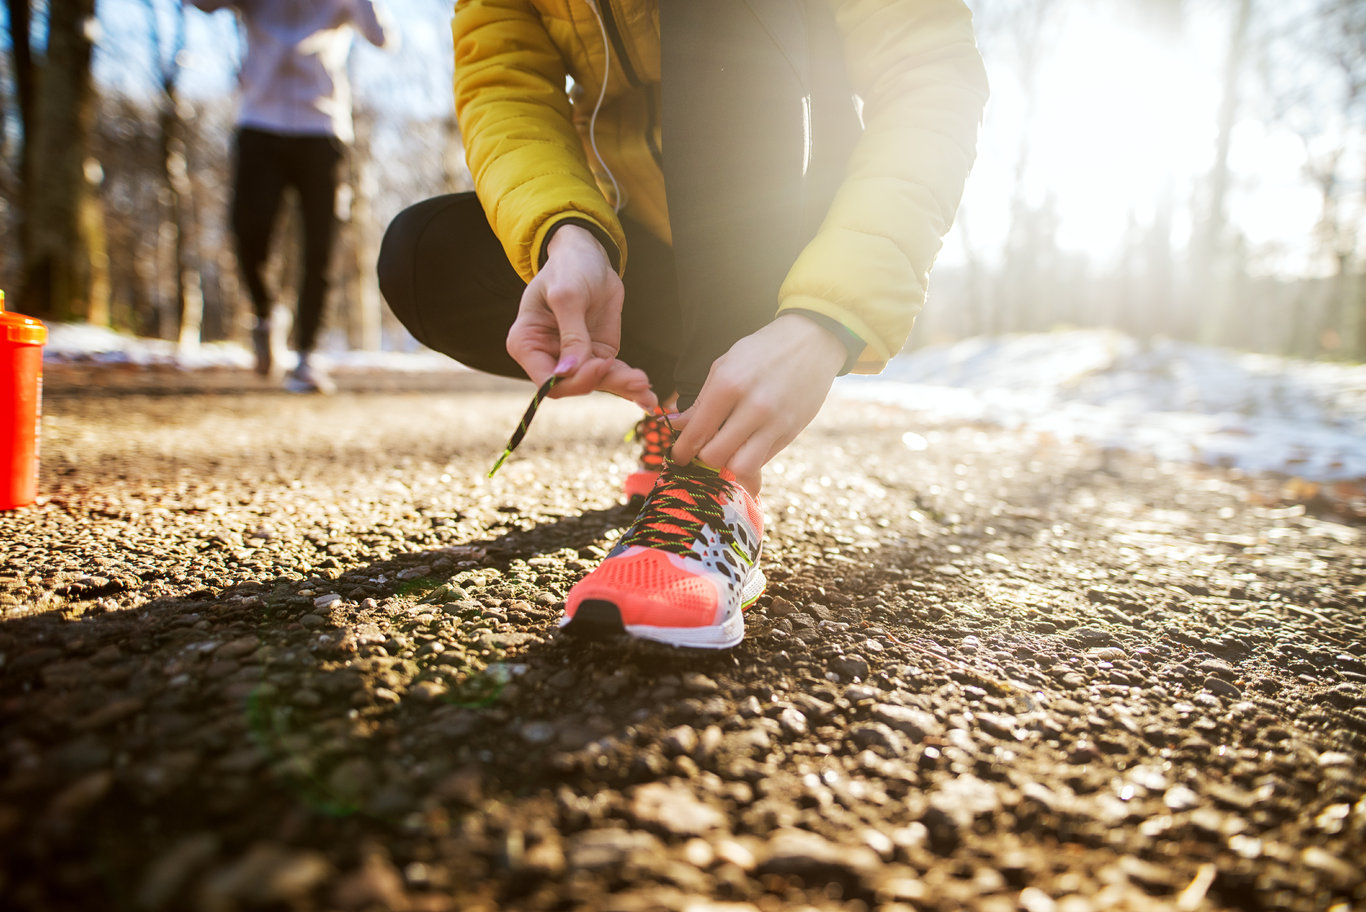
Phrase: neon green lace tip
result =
(497, 465)
(525, 423)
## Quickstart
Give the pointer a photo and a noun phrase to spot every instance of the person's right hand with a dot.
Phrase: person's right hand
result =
(569, 323)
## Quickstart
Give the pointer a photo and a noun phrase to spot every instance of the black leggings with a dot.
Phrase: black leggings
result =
(745, 194)
(267, 164)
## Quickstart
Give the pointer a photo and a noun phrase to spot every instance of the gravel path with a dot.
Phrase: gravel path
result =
(268, 652)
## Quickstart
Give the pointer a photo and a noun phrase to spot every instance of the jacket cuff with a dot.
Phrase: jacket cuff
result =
(853, 345)
(605, 239)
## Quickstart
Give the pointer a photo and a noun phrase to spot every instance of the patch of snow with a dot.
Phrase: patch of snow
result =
(82, 342)
(1176, 400)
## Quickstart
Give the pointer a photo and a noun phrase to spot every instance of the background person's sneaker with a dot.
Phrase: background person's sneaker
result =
(308, 378)
(686, 569)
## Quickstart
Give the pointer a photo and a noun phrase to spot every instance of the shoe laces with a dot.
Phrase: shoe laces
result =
(657, 436)
(525, 423)
(684, 503)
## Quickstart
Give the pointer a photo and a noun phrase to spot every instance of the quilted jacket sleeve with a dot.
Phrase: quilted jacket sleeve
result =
(528, 164)
(915, 65)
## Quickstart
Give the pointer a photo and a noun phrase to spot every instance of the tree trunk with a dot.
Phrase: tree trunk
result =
(55, 252)
(21, 50)
(1210, 269)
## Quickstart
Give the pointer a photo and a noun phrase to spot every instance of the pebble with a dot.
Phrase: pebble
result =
(915, 723)
(1223, 688)
(680, 740)
(266, 874)
(329, 600)
(537, 732)
(695, 682)
(239, 648)
(1180, 798)
(1218, 668)
(170, 872)
(376, 883)
(594, 850)
(793, 722)
(674, 809)
(852, 667)
(859, 693)
(809, 855)
(1091, 635)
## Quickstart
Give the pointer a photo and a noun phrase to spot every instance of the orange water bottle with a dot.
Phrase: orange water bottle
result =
(21, 395)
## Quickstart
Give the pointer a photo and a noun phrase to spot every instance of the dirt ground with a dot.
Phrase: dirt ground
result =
(270, 652)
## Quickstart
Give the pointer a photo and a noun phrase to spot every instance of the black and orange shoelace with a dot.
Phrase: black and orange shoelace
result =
(685, 501)
(658, 436)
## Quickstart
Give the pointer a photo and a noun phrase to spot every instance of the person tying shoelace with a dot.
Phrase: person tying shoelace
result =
(711, 208)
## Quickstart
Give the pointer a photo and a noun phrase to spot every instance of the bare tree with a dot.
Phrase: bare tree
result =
(1211, 260)
(56, 96)
(179, 289)
(1315, 72)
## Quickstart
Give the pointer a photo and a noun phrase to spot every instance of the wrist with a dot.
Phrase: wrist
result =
(849, 344)
(825, 347)
(581, 235)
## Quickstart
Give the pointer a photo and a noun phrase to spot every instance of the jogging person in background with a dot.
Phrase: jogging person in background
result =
(293, 125)
(734, 203)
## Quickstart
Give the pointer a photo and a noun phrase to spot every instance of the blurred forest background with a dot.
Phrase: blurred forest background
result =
(1184, 168)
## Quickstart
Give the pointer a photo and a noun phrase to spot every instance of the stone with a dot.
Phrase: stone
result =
(809, 855)
(376, 883)
(171, 871)
(266, 874)
(852, 667)
(1222, 687)
(674, 809)
(596, 850)
(793, 722)
(917, 724)
(239, 648)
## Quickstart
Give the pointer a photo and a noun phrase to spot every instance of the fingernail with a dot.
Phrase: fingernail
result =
(673, 416)
(567, 364)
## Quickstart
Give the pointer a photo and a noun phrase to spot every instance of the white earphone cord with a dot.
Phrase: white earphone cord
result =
(602, 94)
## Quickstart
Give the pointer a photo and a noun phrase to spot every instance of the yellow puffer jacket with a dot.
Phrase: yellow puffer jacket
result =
(914, 63)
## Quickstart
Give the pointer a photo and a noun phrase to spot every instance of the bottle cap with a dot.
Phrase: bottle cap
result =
(18, 329)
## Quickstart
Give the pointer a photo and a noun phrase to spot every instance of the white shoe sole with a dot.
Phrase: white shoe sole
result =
(606, 619)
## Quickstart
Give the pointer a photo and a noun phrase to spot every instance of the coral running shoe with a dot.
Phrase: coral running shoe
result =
(656, 436)
(686, 569)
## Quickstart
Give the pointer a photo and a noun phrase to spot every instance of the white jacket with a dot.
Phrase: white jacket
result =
(293, 79)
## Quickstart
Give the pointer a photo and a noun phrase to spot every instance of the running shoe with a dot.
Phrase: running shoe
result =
(686, 569)
(307, 378)
(656, 436)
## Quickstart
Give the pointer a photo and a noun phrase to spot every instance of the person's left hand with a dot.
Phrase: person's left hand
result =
(758, 396)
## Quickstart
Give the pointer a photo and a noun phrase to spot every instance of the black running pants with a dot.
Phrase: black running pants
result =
(745, 86)
(267, 164)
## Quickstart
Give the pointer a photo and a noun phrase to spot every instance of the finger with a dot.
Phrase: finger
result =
(750, 433)
(534, 345)
(580, 379)
(720, 451)
(538, 364)
(747, 462)
(701, 424)
(629, 383)
(576, 342)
